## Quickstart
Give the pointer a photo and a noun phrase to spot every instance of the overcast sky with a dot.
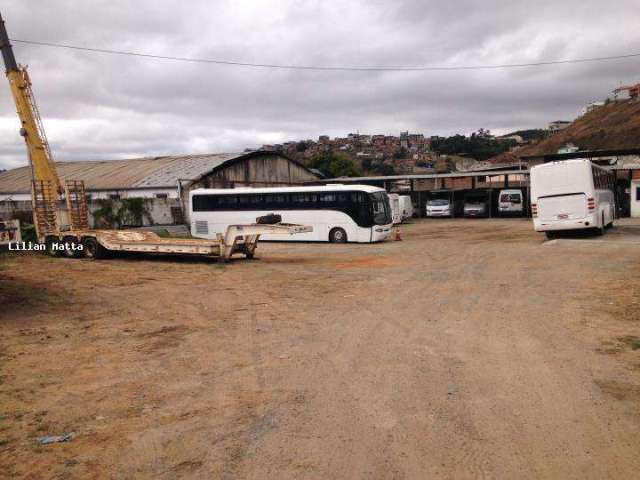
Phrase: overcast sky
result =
(98, 106)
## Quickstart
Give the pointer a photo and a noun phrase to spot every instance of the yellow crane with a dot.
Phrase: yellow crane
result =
(50, 215)
(60, 211)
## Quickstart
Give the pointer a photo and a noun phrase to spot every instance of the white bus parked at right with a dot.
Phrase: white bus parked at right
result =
(571, 195)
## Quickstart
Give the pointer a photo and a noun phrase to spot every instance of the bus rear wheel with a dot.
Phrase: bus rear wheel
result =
(337, 235)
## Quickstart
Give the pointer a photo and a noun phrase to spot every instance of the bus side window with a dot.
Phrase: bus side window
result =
(357, 197)
(247, 202)
(342, 198)
(227, 202)
(327, 198)
(359, 207)
(300, 200)
(282, 200)
(200, 203)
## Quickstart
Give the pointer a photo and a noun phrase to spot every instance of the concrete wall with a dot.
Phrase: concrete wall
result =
(162, 211)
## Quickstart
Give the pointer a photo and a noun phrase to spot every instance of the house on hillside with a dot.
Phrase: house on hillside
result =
(558, 125)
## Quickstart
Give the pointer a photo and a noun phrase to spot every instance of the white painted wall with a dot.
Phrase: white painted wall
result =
(142, 193)
(16, 197)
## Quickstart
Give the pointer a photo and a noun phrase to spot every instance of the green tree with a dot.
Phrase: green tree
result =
(335, 165)
(480, 145)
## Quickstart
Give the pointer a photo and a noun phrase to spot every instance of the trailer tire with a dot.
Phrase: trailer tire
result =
(71, 252)
(51, 251)
(337, 235)
(550, 235)
(93, 250)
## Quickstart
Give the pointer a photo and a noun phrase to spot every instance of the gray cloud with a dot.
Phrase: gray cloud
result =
(104, 106)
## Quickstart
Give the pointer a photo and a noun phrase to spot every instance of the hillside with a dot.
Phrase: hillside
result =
(612, 126)
(530, 134)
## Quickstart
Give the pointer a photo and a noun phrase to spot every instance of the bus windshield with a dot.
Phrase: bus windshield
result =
(380, 208)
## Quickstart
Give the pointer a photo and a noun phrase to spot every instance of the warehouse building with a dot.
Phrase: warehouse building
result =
(162, 182)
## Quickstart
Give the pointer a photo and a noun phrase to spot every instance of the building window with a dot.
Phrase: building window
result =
(637, 193)
(114, 196)
(162, 195)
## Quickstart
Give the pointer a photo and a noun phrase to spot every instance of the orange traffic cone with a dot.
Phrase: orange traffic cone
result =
(398, 235)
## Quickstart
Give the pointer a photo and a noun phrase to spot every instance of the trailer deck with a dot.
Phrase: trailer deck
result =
(237, 239)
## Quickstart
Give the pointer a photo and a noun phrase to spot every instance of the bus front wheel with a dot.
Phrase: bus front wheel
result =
(337, 235)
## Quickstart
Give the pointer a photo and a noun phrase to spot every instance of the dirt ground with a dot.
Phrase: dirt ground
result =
(471, 349)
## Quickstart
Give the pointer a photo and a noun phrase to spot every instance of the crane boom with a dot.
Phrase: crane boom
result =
(31, 125)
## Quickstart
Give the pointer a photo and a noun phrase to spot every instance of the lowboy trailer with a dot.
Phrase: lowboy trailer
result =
(97, 244)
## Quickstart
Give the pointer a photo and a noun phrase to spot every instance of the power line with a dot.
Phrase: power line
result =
(405, 68)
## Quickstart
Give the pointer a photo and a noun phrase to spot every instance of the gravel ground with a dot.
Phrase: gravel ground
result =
(471, 349)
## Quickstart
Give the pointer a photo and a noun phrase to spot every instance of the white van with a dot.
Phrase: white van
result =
(440, 204)
(570, 195)
(406, 207)
(510, 202)
(396, 212)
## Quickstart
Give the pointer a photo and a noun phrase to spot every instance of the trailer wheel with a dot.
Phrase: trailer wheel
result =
(337, 235)
(93, 250)
(550, 235)
(73, 251)
(51, 251)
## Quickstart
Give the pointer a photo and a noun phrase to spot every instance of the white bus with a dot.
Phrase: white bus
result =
(570, 195)
(337, 213)
(406, 206)
(396, 210)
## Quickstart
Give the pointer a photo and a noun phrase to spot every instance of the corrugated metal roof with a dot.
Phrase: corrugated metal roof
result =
(155, 172)
(490, 173)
